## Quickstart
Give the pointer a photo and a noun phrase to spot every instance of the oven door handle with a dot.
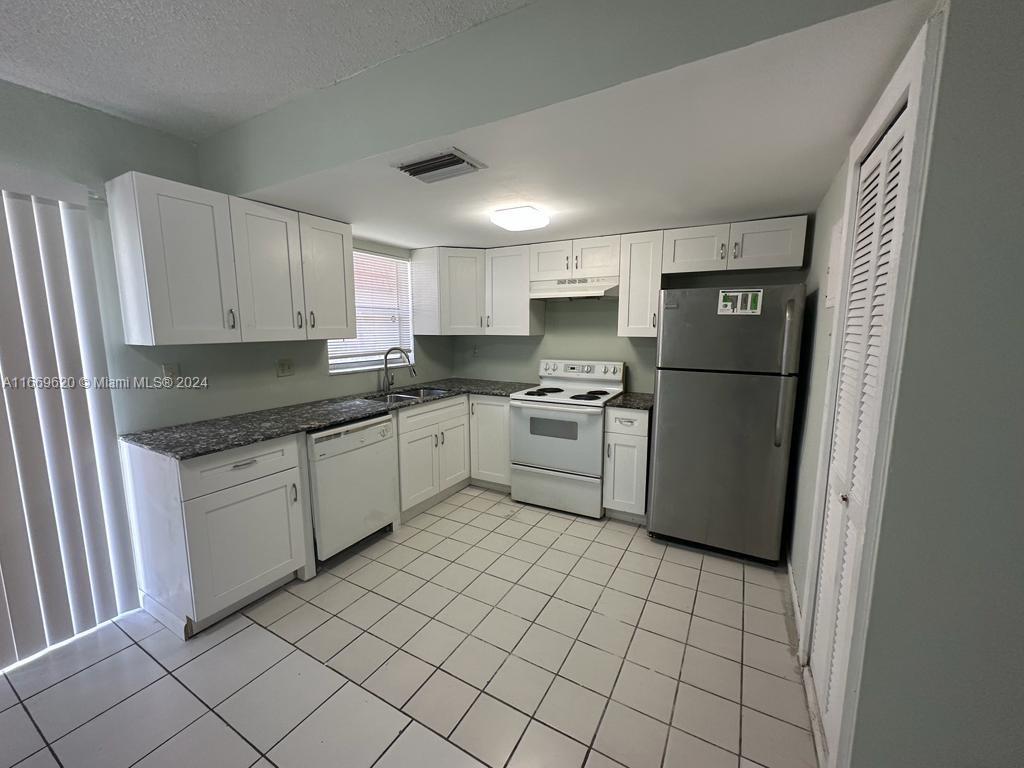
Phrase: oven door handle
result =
(581, 409)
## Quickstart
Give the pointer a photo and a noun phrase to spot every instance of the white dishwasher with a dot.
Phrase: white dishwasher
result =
(355, 483)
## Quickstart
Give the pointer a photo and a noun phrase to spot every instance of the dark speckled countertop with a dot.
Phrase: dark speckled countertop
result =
(198, 438)
(640, 401)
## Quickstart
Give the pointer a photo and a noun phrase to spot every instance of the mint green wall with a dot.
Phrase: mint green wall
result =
(943, 675)
(575, 330)
(538, 55)
(57, 137)
(817, 346)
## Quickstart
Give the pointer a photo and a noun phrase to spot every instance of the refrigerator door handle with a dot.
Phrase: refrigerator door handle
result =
(782, 407)
(786, 333)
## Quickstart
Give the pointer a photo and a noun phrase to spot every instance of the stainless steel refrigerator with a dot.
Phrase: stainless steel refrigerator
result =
(725, 392)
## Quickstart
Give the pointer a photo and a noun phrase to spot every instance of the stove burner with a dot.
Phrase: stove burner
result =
(587, 396)
(597, 392)
(547, 390)
(536, 393)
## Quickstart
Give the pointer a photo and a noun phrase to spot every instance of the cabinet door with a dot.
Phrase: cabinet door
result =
(695, 249)
(462, 291)
(454, 451)
(327, 278)
(243, 538)
(269, 266)
(625, 472)
(551, 261)
(190, 262)
(596, 257)
(488, 439)
(418, 472)
(767, 243)
(639, 283)
(508, 291)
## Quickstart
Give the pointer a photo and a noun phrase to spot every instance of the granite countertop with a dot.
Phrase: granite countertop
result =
(187, 441)
(641, 401)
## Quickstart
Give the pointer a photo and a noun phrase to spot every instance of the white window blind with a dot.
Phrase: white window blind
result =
(65, 548)
(383, 314)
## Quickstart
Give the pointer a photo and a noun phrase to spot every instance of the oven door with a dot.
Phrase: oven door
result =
(566, 438)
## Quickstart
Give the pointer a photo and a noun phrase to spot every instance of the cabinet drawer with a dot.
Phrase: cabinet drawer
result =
(207, 474)
(417, 416)
(626, 421)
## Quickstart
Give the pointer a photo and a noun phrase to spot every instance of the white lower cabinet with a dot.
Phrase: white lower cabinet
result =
(213, 532)
(433, 449)
(243, 538)
(625, 460)
(490, 459)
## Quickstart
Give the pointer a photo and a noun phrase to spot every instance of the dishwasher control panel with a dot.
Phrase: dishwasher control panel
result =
(351, 437)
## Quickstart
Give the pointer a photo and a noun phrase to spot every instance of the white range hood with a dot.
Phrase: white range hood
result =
(574, 288)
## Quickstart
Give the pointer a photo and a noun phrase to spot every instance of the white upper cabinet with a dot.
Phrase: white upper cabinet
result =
(551, 261)
(175, 263)
(762, 244)
(268, 263)
(462, 290)
(767, 243)
(695, 249)
(596, 257)
(639, 283)
(327, 278)
(510, 312)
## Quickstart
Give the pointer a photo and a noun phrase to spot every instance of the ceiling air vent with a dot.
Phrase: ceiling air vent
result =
(454, 162)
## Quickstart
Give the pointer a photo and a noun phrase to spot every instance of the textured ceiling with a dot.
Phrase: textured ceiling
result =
(755, 132)
(195, 68)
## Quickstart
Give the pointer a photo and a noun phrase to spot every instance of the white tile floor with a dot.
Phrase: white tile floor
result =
(481, 632)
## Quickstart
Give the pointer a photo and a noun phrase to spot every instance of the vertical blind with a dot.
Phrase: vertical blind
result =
(65, 548)
(383, 314)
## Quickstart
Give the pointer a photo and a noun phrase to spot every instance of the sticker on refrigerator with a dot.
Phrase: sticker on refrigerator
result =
(746, 302)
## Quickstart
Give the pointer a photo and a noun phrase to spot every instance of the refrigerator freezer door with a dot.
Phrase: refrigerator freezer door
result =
(695, 335)
(720, 455)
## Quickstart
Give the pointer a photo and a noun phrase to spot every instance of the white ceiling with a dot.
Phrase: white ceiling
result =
(195, 68)
(755, 132)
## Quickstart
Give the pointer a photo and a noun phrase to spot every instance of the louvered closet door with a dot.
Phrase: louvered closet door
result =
(865, 335)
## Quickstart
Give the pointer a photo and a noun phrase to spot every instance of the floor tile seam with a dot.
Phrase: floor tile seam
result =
(46, 742)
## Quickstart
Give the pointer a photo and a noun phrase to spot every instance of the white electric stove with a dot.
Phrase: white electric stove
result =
(557, 435)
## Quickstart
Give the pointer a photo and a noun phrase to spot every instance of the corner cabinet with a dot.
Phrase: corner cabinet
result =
(448, 293)
(433, 449)
(215, 532)
(490, 455)
(639, 283)
(199, 267)
(625, 462)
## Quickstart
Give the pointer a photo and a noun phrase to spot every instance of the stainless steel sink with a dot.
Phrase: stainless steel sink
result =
(409, 396)
(394, 399)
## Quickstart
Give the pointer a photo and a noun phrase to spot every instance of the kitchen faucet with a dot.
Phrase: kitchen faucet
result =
(388, 376)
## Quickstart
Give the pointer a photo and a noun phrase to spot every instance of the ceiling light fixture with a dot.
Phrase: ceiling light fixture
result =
(521, 218)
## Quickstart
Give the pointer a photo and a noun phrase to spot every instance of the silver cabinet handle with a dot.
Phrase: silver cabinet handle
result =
(299, 316)
(654, 320)
(472, 409)
(488, 321)
(312, 319)
(721, 251)
(232, 322)
(243, 464)
(435, 441)
(481, 321)
(442, 438)
(626, 422)
(567, 261)
(609, 451)
(736, 250)
(295, 492)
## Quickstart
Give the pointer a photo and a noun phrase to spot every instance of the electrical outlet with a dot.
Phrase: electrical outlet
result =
(170, 370)
(285, 367)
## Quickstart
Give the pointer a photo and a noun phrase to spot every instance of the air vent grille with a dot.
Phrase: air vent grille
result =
(452, 163)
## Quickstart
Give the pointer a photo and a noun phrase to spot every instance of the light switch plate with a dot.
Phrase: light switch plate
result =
(285, 367)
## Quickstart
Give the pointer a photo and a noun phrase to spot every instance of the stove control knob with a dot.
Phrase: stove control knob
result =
(615, 369)
(554, 366)
(588, 368)
(605, 369)
(547, 366)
